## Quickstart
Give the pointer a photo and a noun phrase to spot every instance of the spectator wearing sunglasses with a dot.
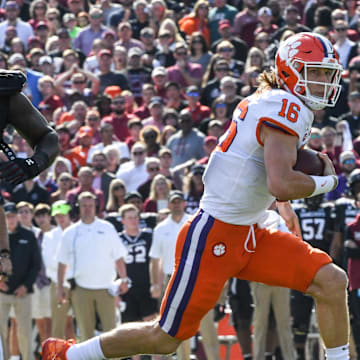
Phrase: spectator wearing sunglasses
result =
(212, 89)
(226, 51)
(199, 53)
(153, 169)
(346, 48)
(198, 111)
(133, 173)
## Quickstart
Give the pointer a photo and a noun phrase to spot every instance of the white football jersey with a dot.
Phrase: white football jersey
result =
(235, 179)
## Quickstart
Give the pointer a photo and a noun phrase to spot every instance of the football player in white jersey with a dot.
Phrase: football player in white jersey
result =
(231, 234)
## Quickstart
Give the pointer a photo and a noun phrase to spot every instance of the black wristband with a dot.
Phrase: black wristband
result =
(5, 253)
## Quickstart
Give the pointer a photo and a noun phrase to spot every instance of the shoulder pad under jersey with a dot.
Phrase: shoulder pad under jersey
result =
(11, 82)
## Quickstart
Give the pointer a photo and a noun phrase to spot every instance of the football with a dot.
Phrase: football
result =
(309, 162)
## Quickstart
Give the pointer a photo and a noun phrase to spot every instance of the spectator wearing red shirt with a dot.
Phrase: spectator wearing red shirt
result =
(246, 21)
(184, 72)
(64, 138)
(135, 126)
(50, 101)
(210, 143)
(143, 112)
(78, 154)
(118, 117)
(159, 77)
(199, 112)
(86, 178)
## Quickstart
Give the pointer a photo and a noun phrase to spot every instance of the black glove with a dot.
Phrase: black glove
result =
(16, 170)
(19, 170)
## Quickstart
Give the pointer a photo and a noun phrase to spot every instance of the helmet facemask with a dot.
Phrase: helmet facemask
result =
(331, 90)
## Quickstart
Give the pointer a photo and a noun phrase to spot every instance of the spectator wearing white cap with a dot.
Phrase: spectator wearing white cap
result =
(137, 74)
(46, 65)
(159, 78)
(265, 18)
(24, 30)
(69, 20)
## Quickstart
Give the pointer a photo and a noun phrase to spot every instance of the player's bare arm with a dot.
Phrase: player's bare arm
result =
(280, 156)
(31, 125)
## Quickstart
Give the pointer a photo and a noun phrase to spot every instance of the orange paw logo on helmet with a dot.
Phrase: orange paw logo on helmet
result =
(219, 249)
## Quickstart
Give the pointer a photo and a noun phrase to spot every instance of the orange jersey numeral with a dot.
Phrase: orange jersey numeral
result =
(291, 112)
(232, 130)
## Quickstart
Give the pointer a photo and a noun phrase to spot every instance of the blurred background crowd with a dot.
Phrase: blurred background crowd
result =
(139, 93)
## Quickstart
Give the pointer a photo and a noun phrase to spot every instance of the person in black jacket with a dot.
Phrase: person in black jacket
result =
(17, 289)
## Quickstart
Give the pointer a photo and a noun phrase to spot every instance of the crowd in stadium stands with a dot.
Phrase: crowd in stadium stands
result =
(140, 92)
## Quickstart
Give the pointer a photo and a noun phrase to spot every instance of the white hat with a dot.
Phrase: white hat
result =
(264, 11)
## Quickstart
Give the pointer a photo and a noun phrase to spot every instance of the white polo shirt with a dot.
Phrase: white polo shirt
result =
(91, 250)
(49, 249)
(164, 242)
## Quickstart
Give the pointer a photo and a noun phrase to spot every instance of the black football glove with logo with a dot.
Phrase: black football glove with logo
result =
(16, 170)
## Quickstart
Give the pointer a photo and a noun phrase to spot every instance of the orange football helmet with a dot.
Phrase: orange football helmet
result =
(299, 53)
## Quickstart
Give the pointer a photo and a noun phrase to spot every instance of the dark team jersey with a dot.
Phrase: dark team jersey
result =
(353, 253)
(137, 260)
(317, 225)
(345, 213)
(147, 220)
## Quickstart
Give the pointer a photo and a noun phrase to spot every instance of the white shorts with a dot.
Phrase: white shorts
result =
(41, 303)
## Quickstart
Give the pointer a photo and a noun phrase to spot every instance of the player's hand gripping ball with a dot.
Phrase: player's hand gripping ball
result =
(309, 162)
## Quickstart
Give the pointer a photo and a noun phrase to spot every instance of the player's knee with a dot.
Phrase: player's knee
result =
(166, 348)
(333, 283)
(162, 343)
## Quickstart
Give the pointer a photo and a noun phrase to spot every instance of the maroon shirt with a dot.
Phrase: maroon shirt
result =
(194, 70)
(334, 157)
(201, 112)
(354, 264)
(120, 124)
(142, 112)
